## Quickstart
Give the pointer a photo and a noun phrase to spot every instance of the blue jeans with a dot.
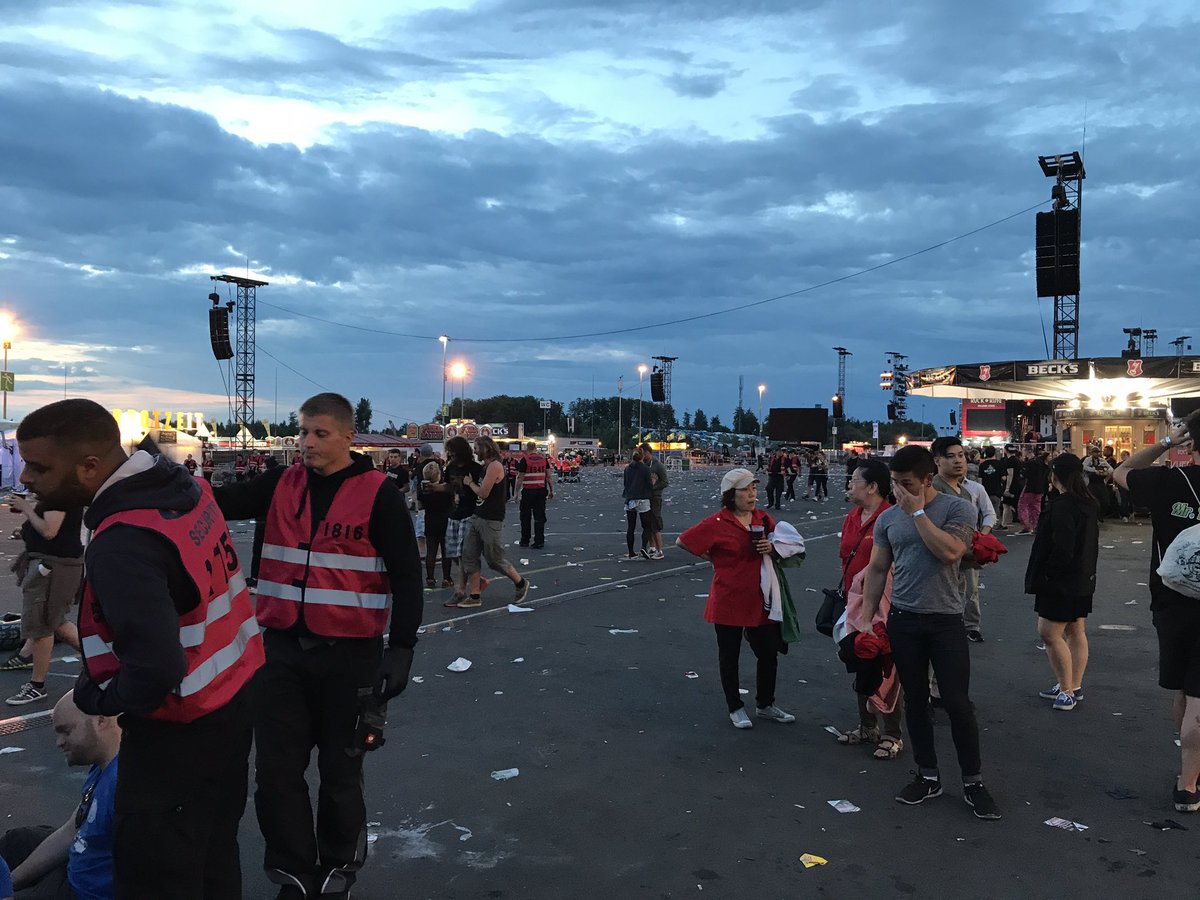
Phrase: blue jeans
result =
(937, 639)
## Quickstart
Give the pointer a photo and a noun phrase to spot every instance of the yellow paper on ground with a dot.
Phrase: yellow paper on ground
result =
(810, 860)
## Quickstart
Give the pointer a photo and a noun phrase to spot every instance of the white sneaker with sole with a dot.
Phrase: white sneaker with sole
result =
(775, 714)
(740, 720)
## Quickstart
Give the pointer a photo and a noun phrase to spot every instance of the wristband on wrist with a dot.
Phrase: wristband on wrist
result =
(1167, 442)
(918, 514)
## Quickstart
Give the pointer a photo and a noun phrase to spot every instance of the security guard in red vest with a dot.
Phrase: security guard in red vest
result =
(535, 483)
(338, 551)
(170, 643)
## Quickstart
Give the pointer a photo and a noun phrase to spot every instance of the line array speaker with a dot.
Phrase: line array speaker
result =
(218, 332)
(1057, 253)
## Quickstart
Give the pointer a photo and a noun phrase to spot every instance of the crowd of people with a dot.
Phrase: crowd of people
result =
(183, 668)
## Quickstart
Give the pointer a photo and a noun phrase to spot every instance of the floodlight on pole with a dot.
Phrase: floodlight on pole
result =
(442, 410)
(459, 372)
(642, 369)
(8, 328)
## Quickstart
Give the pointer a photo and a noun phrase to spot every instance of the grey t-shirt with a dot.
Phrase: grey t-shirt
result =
(921, 583)
(659, 471)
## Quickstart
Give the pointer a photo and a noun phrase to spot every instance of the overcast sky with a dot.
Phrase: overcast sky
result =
(520, 169)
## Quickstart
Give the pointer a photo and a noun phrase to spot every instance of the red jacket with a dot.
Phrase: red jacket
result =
(221, 642)
(333, 571)
(735, 597)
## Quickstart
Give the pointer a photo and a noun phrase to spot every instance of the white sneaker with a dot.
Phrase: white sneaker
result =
(740, 719)
(775, 714)
(657, 554)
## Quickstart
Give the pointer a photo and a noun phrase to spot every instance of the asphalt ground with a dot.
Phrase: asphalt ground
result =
(633, 783)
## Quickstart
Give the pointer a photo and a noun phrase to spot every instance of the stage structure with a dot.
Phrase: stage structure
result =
(1057, 248)
(244, 353)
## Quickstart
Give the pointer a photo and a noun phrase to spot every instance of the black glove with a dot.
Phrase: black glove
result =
(393, 673)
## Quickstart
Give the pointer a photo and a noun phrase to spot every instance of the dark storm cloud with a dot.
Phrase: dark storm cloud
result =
(698, 86)
(489, 235)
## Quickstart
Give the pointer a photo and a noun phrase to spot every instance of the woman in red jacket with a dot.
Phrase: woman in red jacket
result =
(735, 542)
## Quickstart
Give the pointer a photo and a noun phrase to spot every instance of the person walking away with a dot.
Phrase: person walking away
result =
(1013, 484)
(869, 486)
(775, 469)
(1124, 499)
(1173, 498)
(950, 458)
(659, 480)
(1029, 506)
(821, 470)
(437, 505)
(485, 528)
(169, 645)
(49, 572)
(992, 474)
(791, 470)
(637, 493)
(1061, 575)
(75, 860)
(735, 541)
(339, 551)
(534, 486)
(921, 539)
(460, 464)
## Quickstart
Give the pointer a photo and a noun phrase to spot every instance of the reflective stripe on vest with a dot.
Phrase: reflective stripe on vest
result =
(331, 575)
(535, 472)
(220, 638)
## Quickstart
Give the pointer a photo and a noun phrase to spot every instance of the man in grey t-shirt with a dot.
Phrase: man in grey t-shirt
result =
(659, 480)
(921, 540)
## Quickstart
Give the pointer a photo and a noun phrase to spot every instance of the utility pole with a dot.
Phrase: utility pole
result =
(620, 423)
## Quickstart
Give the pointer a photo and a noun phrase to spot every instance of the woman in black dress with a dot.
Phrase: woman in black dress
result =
(1061, 575)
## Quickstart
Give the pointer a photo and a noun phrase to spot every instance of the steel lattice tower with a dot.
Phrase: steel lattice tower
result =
(842, 353)
(1067, 194)
(244, 352)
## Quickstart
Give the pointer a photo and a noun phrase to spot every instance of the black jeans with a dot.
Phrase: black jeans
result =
(774, 490)
(631, 518)
(308, 698)
(791, 486)
(533, 507)
(765, 641)
(435, 540)
(939, 639)
(15, 846)
(179, 799)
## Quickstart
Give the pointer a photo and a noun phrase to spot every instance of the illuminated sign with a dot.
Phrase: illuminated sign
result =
(153, 418)
(1052, 368)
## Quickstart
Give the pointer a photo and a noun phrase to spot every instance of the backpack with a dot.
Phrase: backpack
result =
(1180, 566)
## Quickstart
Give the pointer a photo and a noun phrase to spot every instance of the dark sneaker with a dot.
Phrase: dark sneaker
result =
(1186, 801)
(975, 636)
(920, 789)
(1052, 693)
(1064, 701)
(980, 801)
(645, 553)
(522, 591)
(27, 694)
(15, 662)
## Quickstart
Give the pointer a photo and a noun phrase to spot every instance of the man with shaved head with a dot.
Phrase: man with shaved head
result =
(169, 641)
(74, 860)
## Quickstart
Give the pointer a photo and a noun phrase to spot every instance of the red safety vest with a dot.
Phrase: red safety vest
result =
(535, 472)
(220, 637)
(336, 574)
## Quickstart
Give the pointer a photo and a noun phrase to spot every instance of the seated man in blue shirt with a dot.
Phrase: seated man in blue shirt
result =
(73, 862)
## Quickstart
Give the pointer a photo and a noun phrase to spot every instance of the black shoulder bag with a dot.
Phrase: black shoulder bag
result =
(834, 603)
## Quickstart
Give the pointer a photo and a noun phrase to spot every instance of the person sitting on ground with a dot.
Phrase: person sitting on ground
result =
(735, 540)
(74, 861)
(1061, 575)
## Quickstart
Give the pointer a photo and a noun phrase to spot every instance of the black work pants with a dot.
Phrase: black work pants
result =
(435, 540)
(180, 796)
(308, 698)
(533, 507)
(15, 846)
(940, 640)
(791, 486)
(774, 490)
(765, 641)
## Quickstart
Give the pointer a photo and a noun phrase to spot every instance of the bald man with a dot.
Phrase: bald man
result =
(74, 860)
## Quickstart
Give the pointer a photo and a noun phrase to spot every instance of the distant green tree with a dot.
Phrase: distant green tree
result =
(700, 420)
(362, 415)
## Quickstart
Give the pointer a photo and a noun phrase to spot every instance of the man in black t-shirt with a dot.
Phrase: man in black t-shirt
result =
(992, 475)
(1013, 483)
(1173, 497)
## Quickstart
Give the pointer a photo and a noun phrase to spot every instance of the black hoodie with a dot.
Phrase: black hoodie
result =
(390, 530)
(142, 588)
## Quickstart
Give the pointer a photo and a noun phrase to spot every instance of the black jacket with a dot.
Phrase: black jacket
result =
(1063, 558)
(142, 589)
(390, 529)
